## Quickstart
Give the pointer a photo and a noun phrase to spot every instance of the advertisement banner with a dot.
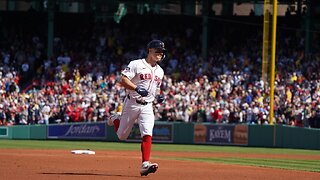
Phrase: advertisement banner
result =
(221, 134)
(240, 135)
(200, 133)
(4, 132)
(161, 133)
(77, 131)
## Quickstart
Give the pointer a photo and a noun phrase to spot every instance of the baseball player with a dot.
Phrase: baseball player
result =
(142, 79)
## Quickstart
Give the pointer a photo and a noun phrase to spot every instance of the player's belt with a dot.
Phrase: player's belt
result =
(139, 101)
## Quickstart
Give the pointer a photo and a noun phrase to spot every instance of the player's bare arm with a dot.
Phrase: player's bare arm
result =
(126, 82)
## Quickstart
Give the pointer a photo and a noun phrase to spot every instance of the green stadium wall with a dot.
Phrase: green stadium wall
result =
(188, 133)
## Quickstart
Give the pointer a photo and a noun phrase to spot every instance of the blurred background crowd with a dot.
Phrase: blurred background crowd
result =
(79, 83)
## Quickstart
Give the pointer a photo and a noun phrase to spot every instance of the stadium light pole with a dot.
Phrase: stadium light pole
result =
(266, 41)
(273, 59)
(51, 6)
(205, 29)
(308, 19)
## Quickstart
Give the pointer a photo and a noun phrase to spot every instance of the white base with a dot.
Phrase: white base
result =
(82, 152)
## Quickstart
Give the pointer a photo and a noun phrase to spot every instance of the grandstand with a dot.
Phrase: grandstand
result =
(67, 55)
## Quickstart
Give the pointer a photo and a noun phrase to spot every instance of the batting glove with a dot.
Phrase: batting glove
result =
(142, 91)
(160, 98)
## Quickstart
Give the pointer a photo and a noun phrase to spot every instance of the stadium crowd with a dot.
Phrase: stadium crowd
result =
(79, 83)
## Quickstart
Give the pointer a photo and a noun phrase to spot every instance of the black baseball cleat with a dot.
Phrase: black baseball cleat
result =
(148, 167)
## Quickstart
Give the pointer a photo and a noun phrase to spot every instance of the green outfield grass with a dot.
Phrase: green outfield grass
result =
(304, 165)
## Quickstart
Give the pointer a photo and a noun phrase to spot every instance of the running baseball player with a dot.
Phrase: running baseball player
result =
(142, 79)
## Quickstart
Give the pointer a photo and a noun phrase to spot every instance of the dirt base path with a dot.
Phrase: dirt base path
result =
(61, 164)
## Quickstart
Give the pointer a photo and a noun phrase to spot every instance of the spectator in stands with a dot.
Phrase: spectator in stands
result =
(3, 121)
(46, 113)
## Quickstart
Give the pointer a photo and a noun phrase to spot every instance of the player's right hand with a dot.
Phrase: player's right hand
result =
(142, 91)
(160, 98)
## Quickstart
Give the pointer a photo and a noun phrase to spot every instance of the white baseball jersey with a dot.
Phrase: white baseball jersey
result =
(143, 75)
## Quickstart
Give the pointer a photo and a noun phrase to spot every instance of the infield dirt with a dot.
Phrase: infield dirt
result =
(62, 164)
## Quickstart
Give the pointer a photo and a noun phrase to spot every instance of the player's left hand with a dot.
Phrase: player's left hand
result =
(142, 91)
(160, 98)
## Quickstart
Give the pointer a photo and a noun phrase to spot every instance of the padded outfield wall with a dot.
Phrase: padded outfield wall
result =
(177, 133)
